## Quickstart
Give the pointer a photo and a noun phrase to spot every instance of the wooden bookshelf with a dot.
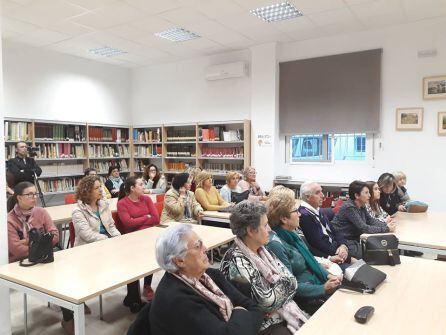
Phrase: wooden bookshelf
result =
(147, 147)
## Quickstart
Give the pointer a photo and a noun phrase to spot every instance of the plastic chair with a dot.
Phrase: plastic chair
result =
(118, 222)
(70, 199)
(159, 207)
(72, 235)
(338, 206)
(327, 202)
(160, 197)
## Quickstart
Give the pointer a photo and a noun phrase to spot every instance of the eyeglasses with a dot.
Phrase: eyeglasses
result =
(30, 195)
(294, 211)
(152, 170)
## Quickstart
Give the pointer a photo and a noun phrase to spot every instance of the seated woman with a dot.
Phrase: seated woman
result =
(155, 181)
(391, 199)
(93, 172)
(232, 179)
(179, 203)
(114, 181)
(353, 219)
(317, 228)
(315, 284)
(199, 298)
(259, 273)
(249, 183)
(92, 221)
(373, 207)
(136, 212)
(207, 195)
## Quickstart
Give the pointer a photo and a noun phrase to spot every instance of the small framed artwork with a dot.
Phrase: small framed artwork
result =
(434, 87)
(409, 118)
(442, 123)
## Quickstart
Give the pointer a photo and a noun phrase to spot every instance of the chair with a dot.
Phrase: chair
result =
(327, 202)
(159, 207)
(70, 199)
(72, 235)
(141, 325)
(118, 222)
(160, 197)
(338, 206)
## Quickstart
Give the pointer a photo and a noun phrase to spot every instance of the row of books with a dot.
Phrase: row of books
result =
(61, 169)
(60, 150)
(101, 151)
(177, 166)
(222, 167)
(18, 131)
(147, 135)
(59, 132)
(219, 152)
(104, 134)
(181, 135)
(219, 133)
(59, 185)
(148, 151)
(180, 153)
(10, 151)
(102, 166)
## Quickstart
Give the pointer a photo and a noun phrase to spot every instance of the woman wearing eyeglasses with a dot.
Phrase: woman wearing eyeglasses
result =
(23, 215)
(249, 183)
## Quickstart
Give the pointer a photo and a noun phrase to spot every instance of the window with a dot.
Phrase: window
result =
(327, 147)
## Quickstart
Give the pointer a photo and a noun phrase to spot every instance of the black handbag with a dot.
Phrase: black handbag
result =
(40, 248)
(380, 249)
(237, 197)
(363, 278)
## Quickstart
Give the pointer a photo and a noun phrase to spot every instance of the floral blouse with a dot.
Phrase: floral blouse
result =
(380, 215)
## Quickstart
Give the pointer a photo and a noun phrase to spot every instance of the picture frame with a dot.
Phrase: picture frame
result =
(434, 87)
(442, 123)
(409, 118)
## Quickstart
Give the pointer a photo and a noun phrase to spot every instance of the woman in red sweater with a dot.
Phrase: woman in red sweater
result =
(136, 211)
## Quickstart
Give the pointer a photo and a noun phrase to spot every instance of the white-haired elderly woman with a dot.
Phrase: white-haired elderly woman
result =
(249, 183)
(270, 284)
(192, 298)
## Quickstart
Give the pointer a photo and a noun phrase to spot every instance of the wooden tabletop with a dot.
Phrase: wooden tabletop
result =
(216, 215)
(410, 301)
(83, 272)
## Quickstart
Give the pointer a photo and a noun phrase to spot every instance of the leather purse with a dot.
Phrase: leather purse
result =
(380, 249)
(40, 248)
(363, 278)
(237, 197)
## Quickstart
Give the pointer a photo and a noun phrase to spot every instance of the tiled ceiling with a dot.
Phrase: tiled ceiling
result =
(75, 26)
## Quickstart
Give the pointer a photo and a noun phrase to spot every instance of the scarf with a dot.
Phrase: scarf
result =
(294, 241)
(270, 270)
(117, 181)
(25, 217)
(207, 288)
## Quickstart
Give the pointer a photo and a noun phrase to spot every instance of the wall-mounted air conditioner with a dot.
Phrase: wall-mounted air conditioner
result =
(225, 71)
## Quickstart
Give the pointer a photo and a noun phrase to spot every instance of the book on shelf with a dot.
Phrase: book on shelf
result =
(153, 150)
(102, 166)
(211, 133)
(60, 150)
(59, 185)
(177, 166)
(17, 131)
(59, 132)
(107, 150)
(61, 169)
(106, 134)
(223, 167)
(222, 152)
(10, 151)
(180, 135)
(147, 135)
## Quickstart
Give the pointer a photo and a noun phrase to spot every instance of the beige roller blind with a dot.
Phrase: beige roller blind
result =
(332, 94)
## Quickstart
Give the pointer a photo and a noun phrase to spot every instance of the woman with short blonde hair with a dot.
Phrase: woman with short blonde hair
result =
(232, 179)
(249, 183)
(207, 195)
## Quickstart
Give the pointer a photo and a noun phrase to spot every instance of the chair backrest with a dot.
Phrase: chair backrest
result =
(160, 197)
(159, 207)
(338, 206)
(70, 199)
(327, 202)
(72, 235)
(118, 222)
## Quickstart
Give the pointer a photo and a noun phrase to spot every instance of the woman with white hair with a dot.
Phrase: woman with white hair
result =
(193, 299)
(249, 183)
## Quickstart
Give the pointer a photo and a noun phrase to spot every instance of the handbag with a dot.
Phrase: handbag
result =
(363, 278)
(40, 248)
(380, 249)
(237, 197)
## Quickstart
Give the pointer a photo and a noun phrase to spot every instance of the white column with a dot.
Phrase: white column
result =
(264, 111)
(5, 320)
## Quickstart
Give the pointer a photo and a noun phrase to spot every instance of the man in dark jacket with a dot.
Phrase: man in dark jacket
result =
(23, 167)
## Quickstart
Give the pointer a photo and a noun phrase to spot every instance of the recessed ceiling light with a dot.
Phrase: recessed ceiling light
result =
(277, 12)
(107, 52)
(177, 35)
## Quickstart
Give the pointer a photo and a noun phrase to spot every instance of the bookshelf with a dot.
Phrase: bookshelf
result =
(147, 147)
(179, 147)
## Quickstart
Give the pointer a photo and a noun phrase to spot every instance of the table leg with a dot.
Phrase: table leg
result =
(79, 320)
(101, 315)
(25, 313)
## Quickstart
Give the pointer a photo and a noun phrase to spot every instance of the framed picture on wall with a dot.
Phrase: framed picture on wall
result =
(442, 123)
(434, 87)
(409, 118)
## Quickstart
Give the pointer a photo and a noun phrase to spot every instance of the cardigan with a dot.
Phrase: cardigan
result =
(236, 267)
(177, 309)
(352, 221)
(311, 225)
(134, 215)
(174, 206)
(210, 201)
(309, 286)
(87, 224)
(41, 221)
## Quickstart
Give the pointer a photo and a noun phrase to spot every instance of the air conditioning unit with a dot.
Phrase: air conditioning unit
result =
(225, 71)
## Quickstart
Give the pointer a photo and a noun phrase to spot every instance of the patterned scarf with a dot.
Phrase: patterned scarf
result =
(207, 288)
(117, 181)
(25, 217)
(270, 270)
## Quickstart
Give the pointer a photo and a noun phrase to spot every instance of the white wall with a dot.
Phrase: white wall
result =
(179, 92)
(48, 85)
(420, 154)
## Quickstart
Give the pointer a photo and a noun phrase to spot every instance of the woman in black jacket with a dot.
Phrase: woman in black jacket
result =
(192, 299)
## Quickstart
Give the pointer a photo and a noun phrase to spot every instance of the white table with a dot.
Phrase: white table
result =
(216, 216)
